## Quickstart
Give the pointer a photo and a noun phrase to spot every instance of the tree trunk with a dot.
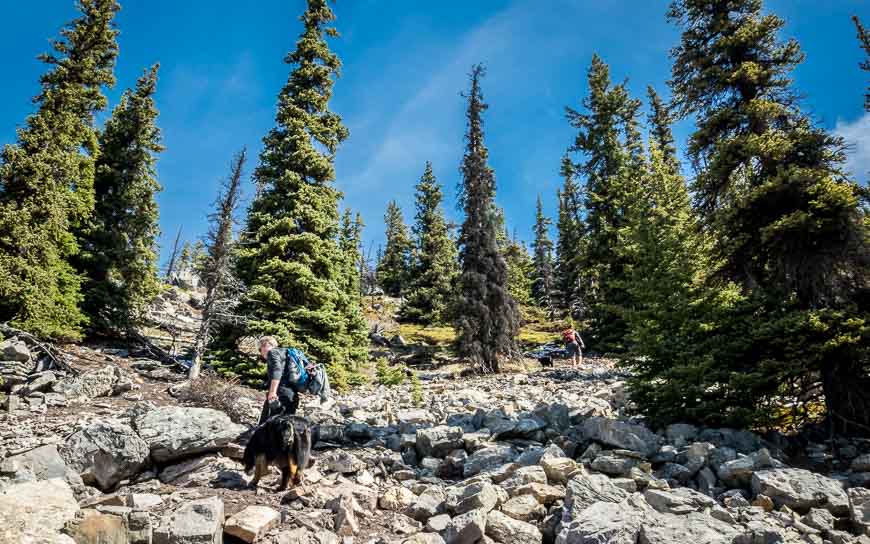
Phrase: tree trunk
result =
(847, 398)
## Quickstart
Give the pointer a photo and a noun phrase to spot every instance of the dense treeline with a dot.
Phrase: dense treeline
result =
(734, 287)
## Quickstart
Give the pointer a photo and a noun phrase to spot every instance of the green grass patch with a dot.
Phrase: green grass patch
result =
(441, 336)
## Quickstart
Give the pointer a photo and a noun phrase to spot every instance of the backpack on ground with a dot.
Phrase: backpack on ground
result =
(312, 377)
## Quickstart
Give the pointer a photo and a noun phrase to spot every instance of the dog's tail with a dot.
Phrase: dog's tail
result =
(302, 446)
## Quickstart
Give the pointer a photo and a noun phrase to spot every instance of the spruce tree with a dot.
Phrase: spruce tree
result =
(47, 178)
(487, 320)
(542, 250)
(290, 257)
(435, 265)
(785, 221)
(118, 257)
(521, 270)
(660, 120)
(864, 40)
(394, 267)
(569, 244)
(611, 159)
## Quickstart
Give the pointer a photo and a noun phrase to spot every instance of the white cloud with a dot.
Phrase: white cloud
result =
(857, 135)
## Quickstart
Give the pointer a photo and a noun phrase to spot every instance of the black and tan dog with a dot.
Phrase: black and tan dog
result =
(284, 441)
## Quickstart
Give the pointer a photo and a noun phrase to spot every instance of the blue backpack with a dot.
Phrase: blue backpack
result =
(312, 377)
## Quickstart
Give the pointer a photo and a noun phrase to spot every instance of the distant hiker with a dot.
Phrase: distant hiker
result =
(289, 373)
(574, 345)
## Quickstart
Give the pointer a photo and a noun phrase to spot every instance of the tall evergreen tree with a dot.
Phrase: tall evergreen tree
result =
(661, 135)
(569, 244)
(521, 271)
(785, 220)
(542, 250)
(118, 257)
(47, 178)
(222, 288)
(611, 159)
(487, 320)
(435, 265)
(395, 266)
(290, 257)
(864, 40)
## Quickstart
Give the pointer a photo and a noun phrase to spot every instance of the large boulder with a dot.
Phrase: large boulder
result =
(36, 512)
(738, 472)
(438, 441)
(619, 434)
(93, 384)
(584, 490)
(488, 458)
(174, 432)
(195, 522)
(104, 453)
(801, 490)
(506, 530)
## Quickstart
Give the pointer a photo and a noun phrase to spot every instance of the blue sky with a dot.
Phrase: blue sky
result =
(405, 64)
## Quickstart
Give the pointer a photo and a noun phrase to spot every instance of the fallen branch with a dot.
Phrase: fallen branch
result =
(53, 355)
(156, 352)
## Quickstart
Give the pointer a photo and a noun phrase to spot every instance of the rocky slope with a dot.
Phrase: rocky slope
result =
(106, 454)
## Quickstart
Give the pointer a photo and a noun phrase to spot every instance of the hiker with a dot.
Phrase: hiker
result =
(289, 373)
(574, 344)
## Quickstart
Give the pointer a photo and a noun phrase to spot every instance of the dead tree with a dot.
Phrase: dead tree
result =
(221, 286)
(173, 257)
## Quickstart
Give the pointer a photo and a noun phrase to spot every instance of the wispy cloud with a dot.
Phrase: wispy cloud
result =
(857, 135)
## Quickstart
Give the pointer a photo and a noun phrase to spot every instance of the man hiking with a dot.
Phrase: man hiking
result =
(574, 345)
(289, 373)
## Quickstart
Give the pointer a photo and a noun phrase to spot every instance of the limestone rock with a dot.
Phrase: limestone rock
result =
(620, 434)
(801, 490)
(36, 512)
(506, 530)
(252, 522)
(859, 508)
(524, 508)
(584, 490)
(90, 385)
(396, 499)
(603, 523)
(43, 463)
(467, 528)
(105, 453)
(438, 441)
(195, 522)
(174, 432)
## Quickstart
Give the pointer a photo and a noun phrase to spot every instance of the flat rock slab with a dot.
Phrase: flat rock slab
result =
(619, 434)
(43, 462)
(252, 522)
(104, 453)
(36, 512)
(174, 432)
(196, 522)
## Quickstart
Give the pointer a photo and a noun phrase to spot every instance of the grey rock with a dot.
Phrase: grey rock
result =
(820, 519)
(345, 509)
(620, 434)
(43, 463)
(105, 453)
(36, 512)
(424, 538)
(139, 528)
(90, 385)
(543, 493)
(482, 496)
(506, 530)
(695, 456)
(523, 476)
(694, 528)
(15, 350)
(614, 465)
(584, 490)
(738, 472)
(531, 456)
(396, 499)
(674, 471)
(195, 522)
(741, 441)
(174, 432)
(859, 508)
(467, 528)
(801, 490)
(437, 524)
(679, 501)
(488, 458)
(427, 504)
(524, 508)
(603, 523)
(439, 441)
(40, 382)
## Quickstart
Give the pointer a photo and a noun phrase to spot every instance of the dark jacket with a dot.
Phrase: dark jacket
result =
(276, 361)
